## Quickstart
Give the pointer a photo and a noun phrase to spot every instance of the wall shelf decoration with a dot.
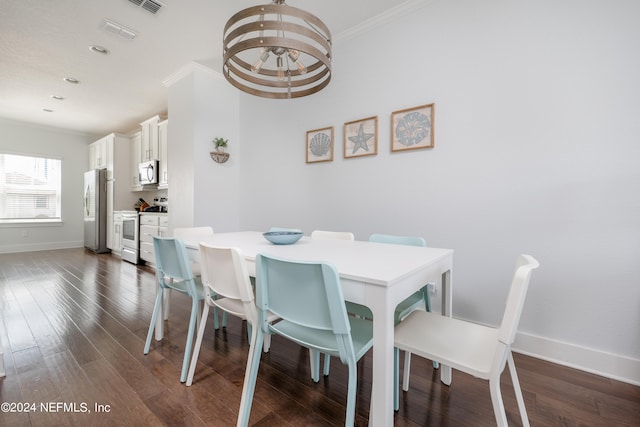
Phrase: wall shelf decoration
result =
(412, 129)
(320, 145)
(361, 137)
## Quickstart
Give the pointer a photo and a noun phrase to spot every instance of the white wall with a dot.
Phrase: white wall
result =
(536, 151)
(72, 148)
(202, 106)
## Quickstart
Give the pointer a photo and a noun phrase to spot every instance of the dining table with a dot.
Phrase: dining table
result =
(377, 275)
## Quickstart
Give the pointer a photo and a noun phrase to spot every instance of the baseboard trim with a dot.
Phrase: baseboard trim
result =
(614, 366)
(43, 246)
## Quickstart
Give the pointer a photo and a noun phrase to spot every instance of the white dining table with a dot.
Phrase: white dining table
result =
(377, 275)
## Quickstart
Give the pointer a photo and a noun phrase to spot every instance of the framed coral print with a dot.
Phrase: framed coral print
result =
(412, 129)
(361, 137)
(320, 145)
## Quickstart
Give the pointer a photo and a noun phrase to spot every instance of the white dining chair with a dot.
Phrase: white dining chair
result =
(340, 235)
(478, 350)
(183, 233)
(225, 279)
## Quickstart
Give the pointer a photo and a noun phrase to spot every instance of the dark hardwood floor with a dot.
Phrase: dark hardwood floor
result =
(75, 325)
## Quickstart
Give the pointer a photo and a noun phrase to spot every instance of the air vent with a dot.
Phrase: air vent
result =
(152, 6)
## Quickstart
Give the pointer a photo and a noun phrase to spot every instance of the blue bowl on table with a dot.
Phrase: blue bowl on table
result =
(282, 237)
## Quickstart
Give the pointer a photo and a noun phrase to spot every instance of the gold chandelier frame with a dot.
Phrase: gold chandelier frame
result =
(300, 42)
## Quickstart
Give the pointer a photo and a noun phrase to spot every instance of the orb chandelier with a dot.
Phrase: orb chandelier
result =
(277, 51)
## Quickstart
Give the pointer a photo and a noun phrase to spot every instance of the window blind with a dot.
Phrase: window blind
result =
(30, 188)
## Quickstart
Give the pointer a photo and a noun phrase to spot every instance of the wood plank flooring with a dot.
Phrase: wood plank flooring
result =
(75, 325)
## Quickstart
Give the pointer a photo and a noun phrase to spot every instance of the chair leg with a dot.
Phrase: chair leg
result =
(518, 391)
(327, 361)
(267, 343)
(407, 371)
(188, 347)
(250, 376)
(496, 401)
(166, 303)
(351, 393)
(154, 317)
(196, 349)
(314, 365)
(427, 306)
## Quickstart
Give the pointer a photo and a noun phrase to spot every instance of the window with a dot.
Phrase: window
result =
(30, 189)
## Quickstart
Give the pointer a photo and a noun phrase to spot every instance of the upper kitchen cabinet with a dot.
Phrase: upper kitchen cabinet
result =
(111, 153)
(149, 144)
(98, 154)
(134, 155)
(163, 179)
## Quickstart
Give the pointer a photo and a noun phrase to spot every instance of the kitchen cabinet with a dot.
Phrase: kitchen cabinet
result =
(134, 155)
(116, 238)
(98, 154)
(151, 224)
(163, 179)
(149, 144)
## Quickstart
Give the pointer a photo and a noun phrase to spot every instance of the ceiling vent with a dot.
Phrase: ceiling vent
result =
(115, 28)
(152, 6)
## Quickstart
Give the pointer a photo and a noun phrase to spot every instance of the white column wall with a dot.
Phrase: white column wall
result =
(201, 192)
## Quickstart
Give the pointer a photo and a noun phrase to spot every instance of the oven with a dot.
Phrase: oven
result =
(130, 237)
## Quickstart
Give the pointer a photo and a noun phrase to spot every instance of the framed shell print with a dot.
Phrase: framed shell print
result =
(320, 145)
(361, 137)
(412, 129)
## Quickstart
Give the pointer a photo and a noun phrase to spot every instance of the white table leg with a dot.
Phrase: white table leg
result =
(381, 413)
(447, 307)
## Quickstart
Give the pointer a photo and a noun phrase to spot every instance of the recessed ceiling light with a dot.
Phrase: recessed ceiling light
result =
(71, 80)
(99, 49)
(46, 110)
(57, 97)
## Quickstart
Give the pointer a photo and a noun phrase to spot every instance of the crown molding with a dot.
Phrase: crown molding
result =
(390, 15)
(189, 69)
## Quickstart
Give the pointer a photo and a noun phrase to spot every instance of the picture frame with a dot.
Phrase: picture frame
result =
(361, 137)
(320, 145)
(412, 128)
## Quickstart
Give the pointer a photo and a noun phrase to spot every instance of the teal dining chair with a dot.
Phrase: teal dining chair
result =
(308, 298)
(413, 302)
(173, 272)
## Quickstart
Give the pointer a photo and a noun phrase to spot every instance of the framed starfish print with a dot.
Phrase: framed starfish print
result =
(412, 128)
(361, 138)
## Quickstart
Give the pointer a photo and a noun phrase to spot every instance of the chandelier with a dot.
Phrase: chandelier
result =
(277, 51)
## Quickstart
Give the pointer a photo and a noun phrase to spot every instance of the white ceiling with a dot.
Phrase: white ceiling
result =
(43, 41)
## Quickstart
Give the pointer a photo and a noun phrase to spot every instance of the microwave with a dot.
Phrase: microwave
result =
(148, 172)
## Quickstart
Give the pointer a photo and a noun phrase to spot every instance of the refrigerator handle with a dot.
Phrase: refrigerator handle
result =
(86, 200)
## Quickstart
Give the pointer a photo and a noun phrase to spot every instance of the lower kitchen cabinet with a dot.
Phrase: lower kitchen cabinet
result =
(116, 235)
(151, 224)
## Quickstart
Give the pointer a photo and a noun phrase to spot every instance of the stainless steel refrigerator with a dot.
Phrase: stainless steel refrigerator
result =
(95, 210)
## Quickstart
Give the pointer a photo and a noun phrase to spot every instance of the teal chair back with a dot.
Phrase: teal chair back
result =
(172, 261)
(173, 272)
(306, 294)
(308, 298)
